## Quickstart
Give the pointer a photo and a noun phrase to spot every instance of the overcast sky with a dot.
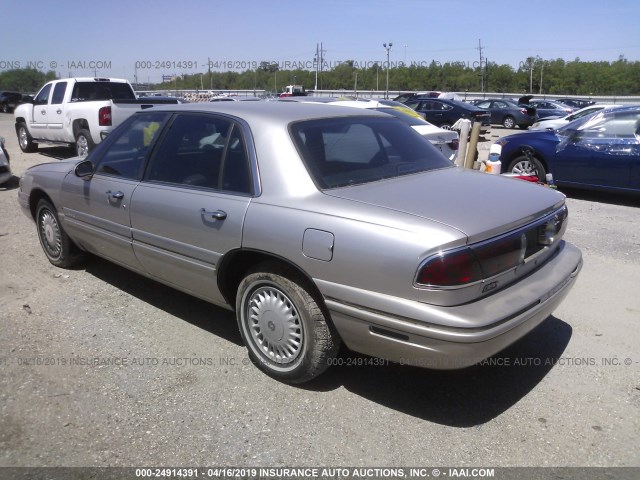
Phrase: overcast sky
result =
(153, 38)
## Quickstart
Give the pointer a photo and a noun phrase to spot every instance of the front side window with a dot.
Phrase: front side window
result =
(126, 153)
(43, 96)
(357, 150)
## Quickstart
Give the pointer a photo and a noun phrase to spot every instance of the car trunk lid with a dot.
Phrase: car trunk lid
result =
(482, 206)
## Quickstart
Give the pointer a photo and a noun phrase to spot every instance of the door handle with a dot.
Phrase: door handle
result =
(115, 195)
(217, 215)
(58, 112)
(43, 112)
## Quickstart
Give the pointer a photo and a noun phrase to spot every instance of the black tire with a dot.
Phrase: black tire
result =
(25, 140)
(445, 126)
(528, 165)
(283, 325)
(57, 246)
(509, 122)
(5, 108)
(84, 143)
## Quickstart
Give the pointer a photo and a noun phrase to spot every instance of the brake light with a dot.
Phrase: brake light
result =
(472, 264)
(454, 144)
(104, 117)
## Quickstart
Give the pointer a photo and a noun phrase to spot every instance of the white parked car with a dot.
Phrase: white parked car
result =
(446, 141)
(553, 123)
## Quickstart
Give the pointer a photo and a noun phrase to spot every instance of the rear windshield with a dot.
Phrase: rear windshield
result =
(355, 150)
(89, 91)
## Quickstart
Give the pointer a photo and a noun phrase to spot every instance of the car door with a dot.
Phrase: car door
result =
(190, 207)
(97, 211)
(39, 121)
(55, 117)
(605, 152)
(490, 106)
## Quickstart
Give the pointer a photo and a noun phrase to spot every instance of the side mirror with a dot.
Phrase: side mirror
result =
(26, 99)
(84, 170)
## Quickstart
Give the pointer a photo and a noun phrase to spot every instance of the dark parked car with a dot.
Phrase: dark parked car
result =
(547, 108)
(319, 225)
(444, 113)
(405, 97)
(600, 151)
(9, 101)
(576, 102)
(507, 113)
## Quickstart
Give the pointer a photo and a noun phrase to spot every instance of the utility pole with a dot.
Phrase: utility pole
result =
(481, 69)
(388, 48)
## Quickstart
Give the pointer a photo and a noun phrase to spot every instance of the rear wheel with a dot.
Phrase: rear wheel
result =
(509, 122)
(527, 165)
(445, 126)
(84, 143)
(25, 140)
(283, 325)
(57, 246)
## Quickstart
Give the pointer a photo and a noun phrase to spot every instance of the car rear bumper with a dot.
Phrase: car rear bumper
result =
(380, 326)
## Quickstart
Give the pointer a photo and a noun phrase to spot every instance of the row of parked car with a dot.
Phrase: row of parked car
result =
(444, 110)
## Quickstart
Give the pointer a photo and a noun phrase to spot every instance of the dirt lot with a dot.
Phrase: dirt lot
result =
(179, 390)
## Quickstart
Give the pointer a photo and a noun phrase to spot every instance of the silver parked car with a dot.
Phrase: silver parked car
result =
(318, 225)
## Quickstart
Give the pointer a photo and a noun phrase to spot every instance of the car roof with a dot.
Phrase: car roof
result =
(284, 111)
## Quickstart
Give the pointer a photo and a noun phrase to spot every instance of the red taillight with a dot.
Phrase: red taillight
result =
(104, 117)
(454, 144)
(472, 264)
(451, 269)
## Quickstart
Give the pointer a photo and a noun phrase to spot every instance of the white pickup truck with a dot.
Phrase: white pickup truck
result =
(77, 111)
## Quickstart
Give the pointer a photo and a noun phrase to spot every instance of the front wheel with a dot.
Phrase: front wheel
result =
(283, 326)
(529, 166)
(25, 140)
(445, 126)
(57, 246)
(84, 143)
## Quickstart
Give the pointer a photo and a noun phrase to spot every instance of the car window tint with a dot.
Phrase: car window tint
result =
(58, 93)
(356, 150)
(621, 126)
(500, 105)
(235, 176)
(484, 105)
(126, 154)
(43, 96)
(201, 151)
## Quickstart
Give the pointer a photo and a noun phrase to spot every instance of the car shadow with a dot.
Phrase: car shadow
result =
(57, 152)
(622, 199)
(11, 184)
(457, 398)
(204, 315)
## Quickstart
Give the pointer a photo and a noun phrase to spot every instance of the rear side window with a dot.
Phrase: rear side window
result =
(58, 93)
(202, 151)
(355, 150)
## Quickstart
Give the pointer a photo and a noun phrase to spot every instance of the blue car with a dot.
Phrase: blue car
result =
(600, 152)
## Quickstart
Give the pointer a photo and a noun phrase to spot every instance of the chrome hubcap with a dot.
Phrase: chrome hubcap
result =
(50, 233)
(82, 148)
(23, 138)
(274, 325)
(524, 167)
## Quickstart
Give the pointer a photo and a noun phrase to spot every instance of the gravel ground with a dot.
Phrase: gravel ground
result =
(179, 390)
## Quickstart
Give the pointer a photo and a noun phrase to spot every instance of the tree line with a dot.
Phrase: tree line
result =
(534, 75)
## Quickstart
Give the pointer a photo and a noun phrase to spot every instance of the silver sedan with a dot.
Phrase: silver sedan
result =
(319, 225)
